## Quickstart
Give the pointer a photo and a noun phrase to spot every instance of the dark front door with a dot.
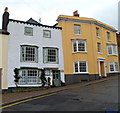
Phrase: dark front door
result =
(56, 78)
(0, 78)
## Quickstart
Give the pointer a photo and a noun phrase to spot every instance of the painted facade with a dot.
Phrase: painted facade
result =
(118, 41)
(3, 59)
(32, 47)
(90, 48)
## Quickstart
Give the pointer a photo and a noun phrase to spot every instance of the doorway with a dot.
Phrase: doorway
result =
(102, 67)
(0, 78)
(56, 78)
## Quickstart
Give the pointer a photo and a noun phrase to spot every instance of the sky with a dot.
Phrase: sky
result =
(105, 11)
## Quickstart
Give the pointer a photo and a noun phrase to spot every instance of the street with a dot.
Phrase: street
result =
(95, 97)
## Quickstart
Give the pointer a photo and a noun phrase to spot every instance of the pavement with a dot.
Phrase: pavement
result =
(9, 98)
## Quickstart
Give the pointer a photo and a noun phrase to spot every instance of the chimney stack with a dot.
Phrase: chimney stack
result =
(5, 19)
(75, 13)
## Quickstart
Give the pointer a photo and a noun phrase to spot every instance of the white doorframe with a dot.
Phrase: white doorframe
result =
(99, 70)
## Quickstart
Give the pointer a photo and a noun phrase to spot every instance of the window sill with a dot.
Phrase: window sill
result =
(51, 63)
(79, 52)
(46, 37)
(81, 72)
(113, 71)
(112, 55)
(28, 35)
(28, 62)
(109, 40)
(78, 34)
(98, 37)
(100, 53)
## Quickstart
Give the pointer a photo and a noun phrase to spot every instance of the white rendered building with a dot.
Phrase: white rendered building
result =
(32, 47)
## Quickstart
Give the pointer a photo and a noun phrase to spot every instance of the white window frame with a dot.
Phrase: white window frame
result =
(46, 35)
(30, 33)
(78, 62)
(23, 55)
(78, 31)
(45, 55)
(113, 49)
(77, 47)
(114, 67)
(27, 78)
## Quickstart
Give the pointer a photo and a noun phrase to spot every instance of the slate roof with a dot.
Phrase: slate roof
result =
(34, 22)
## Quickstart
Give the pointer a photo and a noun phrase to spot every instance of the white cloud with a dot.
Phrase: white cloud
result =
(49, 10)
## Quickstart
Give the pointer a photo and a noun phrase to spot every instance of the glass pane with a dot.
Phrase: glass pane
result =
(47, 33)
(99, 47)
(82, 66)
(108, 36)
(30, 54)
(28, 31)
(76, 29)
(74, 46)
(32, 76)
(116, 66)
(81, 45)
(76, 66)
(109, 49)
(114, 49)
(97, 32)
(52, 55)
(22, 80)
(111, 67)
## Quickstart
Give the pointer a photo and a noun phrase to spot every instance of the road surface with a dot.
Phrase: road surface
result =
(95, 97)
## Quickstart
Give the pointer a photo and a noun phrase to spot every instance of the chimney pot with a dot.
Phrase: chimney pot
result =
(75, 13)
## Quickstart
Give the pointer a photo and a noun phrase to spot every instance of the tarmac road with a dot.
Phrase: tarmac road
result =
(95, 97)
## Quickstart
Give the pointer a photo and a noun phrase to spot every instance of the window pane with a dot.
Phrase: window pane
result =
(82, 66)
(22, 80)
(111, 66)
(50, 55)
(74, 46)
(97, 32)
(28, 31)
(32, 76)
(114, 49)
(108, 36)
(81, 45)
(76, 29)
(99, 47)
(29, 53)
(76, 66)
(109, 49)
(47, 33)
(116, 66)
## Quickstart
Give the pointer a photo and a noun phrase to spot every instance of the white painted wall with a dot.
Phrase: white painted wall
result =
(18, 38)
